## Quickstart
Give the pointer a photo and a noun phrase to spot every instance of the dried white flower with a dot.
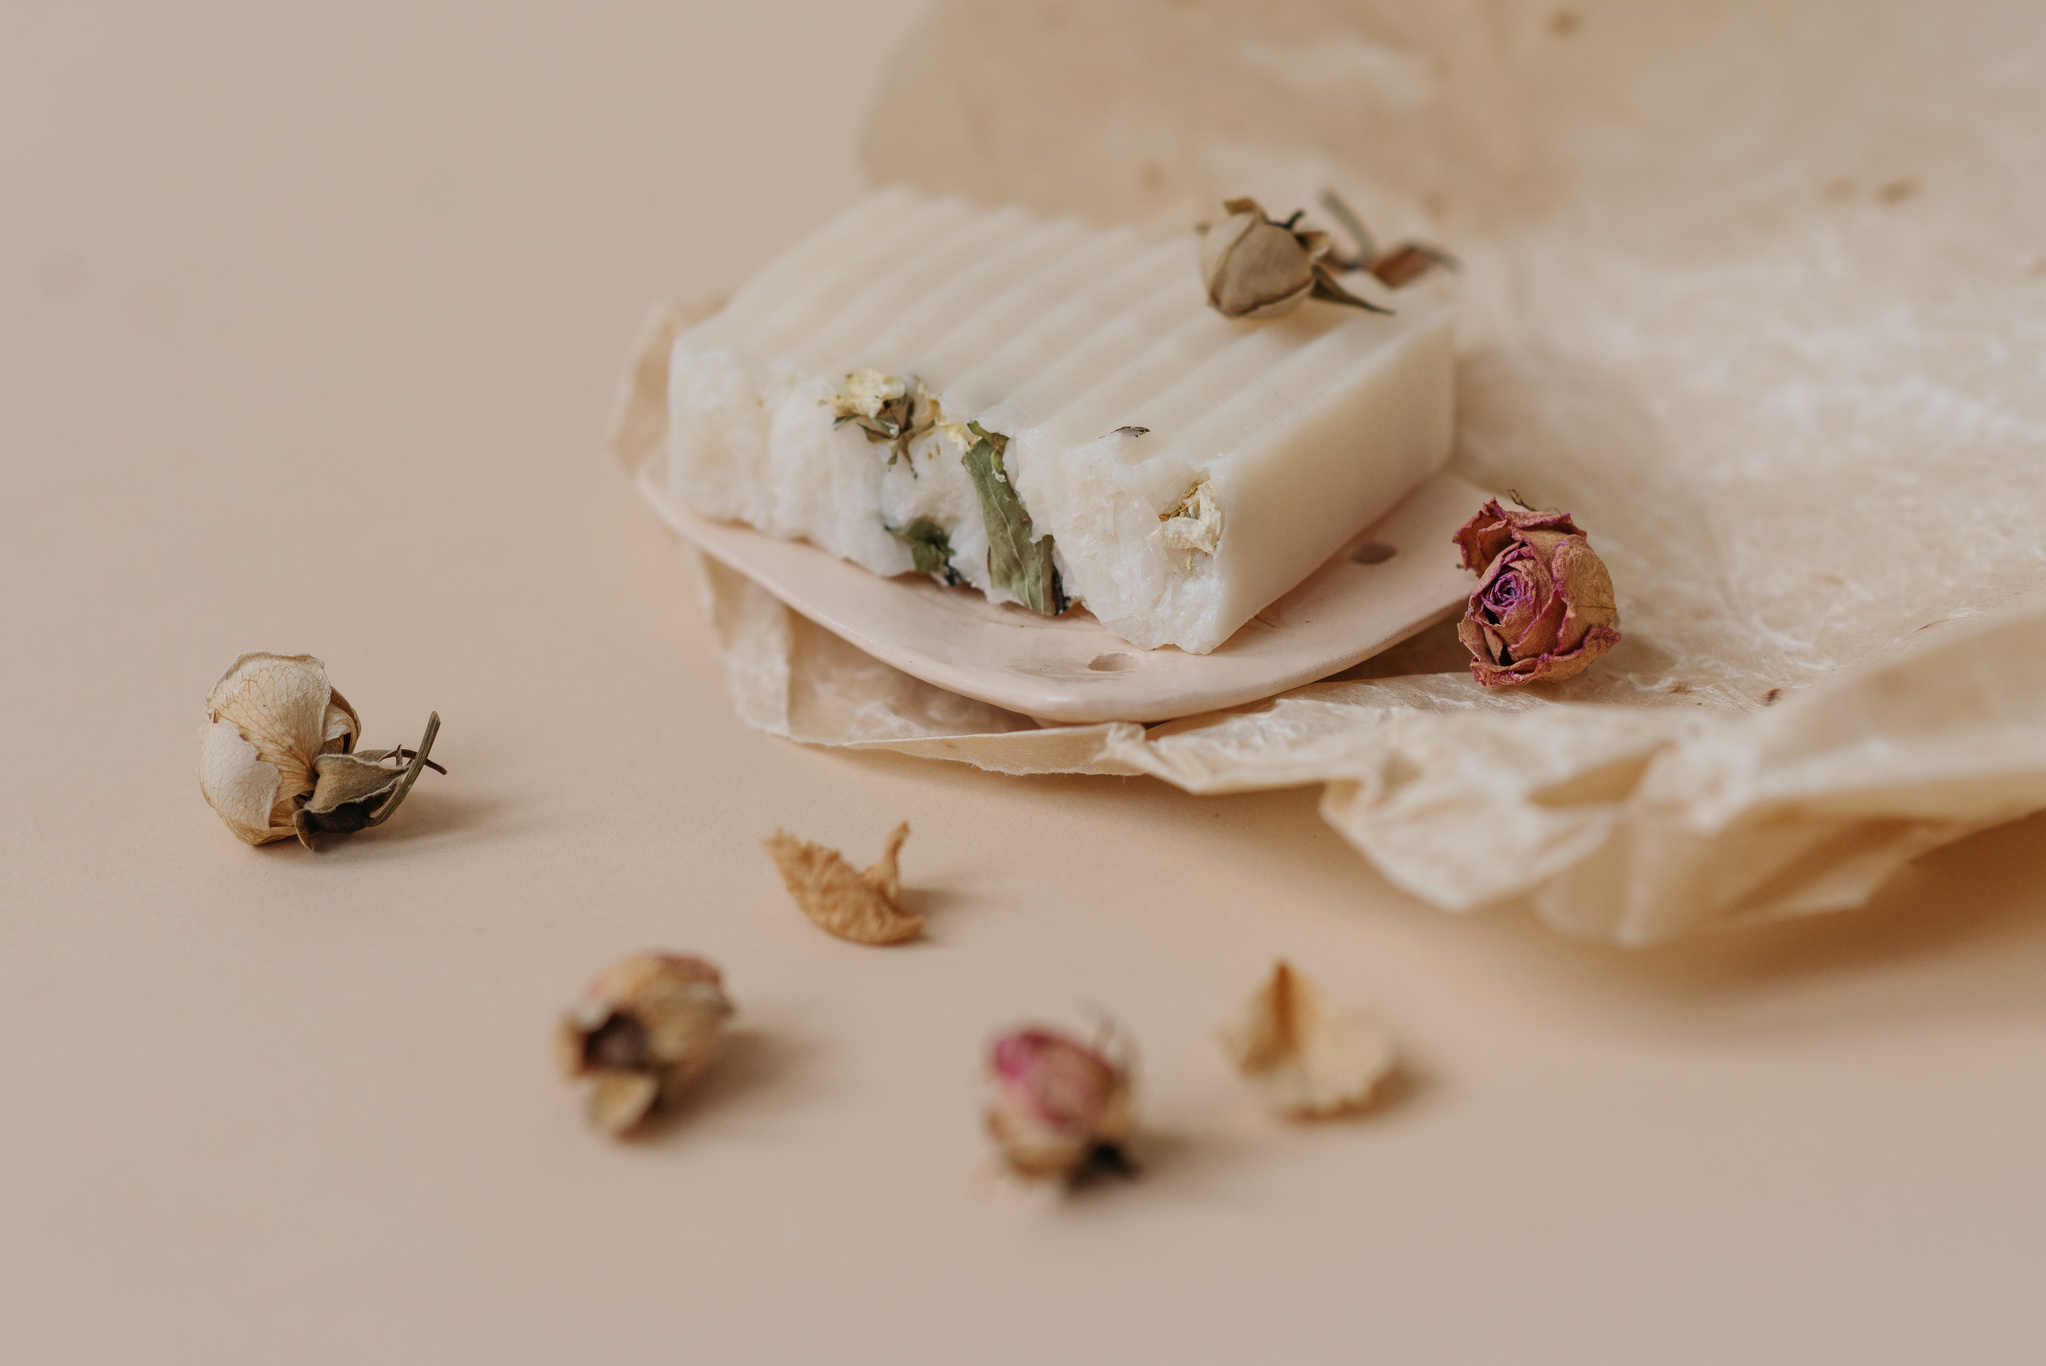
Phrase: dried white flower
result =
(1304, 1060)
(1193, 524)
(866, 393)
(644, 1026)
(865, 907)
(276, 754)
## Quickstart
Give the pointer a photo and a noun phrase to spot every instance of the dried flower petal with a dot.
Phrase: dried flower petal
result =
(864, 907)
(1304, 1060)
(237, 783)
(1061, 1108)
(644, 1026)
(1408, 262)
(287, 714)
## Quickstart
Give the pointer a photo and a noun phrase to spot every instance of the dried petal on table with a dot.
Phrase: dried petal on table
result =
(645, 1025)
(1061, 1108)
(1303, 1059)
(865, 907)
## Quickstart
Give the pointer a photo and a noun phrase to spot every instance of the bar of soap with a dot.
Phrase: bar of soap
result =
(1187, 469)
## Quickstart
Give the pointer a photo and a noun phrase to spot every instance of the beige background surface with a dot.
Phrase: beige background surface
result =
(307, 327)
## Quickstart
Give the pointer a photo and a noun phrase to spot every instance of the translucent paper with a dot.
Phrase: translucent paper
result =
(1757, 292)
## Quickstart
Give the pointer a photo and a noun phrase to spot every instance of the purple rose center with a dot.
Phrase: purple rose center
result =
(1507, 592)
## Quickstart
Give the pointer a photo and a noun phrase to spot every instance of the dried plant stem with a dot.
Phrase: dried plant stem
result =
(419, 761)
(1367, 250)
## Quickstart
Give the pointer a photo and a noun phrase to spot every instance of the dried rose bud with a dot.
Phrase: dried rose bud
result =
(277, 754)
(1543, 609)
(1061, 1108)
(643, 1027)
(1255, 267)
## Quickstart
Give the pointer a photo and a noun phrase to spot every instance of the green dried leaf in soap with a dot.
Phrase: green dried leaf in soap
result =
(930, 549)
(1014, 561)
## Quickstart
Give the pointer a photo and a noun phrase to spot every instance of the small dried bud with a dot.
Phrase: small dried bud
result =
(1255, 267)
(889, 411)
(1192, 524)
(865, 907)
(643, 1027)
(868, 393)
(1304, 1060)
(277, 754)
(1061, 1108)
(1543, 609)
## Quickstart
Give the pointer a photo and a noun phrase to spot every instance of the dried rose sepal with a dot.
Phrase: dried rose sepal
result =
(1544, 608)
(1394, 269)
(1407, 263)
(645, 1025)
(1062, 1109)
(863, 906)
(356, 791)
(1256, 267)
(1301, 1058)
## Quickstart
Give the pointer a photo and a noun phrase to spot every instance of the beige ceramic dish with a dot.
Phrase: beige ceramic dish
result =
(1392, 579)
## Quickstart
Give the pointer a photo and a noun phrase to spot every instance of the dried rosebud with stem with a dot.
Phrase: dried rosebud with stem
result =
(1061, 1108)
(863, 906)
(645, 1025)
(1258, 267)
(1304, 1059)
(1543, 609)
(277, 754)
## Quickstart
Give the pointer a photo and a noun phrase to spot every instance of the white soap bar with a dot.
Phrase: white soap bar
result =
(1264, 445)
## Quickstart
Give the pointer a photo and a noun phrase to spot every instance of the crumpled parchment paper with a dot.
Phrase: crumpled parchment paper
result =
(1756, 291)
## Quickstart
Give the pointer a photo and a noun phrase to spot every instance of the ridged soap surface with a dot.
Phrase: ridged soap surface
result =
(1060, 335)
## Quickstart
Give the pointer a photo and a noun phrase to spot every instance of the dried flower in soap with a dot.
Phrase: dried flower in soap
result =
(885, 409)
(865, 907)
(1194, 523)
(1303, 1059)
(1543, 609)
(277, 754)
(1061, 1108)
(1256, 267)
(644, 1026)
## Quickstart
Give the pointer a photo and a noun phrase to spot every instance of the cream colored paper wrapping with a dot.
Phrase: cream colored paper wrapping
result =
(1756, 291)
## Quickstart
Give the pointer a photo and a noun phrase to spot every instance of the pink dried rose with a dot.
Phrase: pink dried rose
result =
(1061, 1108)
(1543, 608)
